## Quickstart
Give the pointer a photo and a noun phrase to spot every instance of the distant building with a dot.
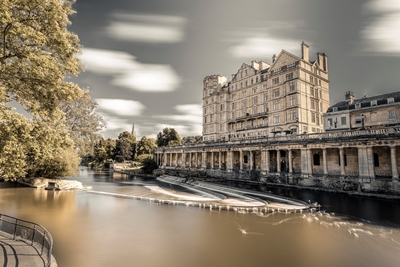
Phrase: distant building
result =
(363, 113)
(266, 100)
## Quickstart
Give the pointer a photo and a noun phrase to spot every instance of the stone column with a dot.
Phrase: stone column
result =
(262, 160)
(229, 161)
(304, 161)
(170, 159)
(278, 161)
(184, 159)
(212, 160)
(219, 160)
(290, 161)
(371, 166)
(341, 153)
(309, 161)
(203, 160)
(395, 172)
(363, 169)
(251, 159)
(324, 162)
(267, 161)
(241, 159)
(195, 160)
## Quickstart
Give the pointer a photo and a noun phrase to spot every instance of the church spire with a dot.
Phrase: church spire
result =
(133, 129)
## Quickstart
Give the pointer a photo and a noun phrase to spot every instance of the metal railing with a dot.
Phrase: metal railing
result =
(31, 233)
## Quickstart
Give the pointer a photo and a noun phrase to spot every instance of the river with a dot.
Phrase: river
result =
(116, 230)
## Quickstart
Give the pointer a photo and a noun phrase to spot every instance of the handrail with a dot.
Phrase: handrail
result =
(30, 233)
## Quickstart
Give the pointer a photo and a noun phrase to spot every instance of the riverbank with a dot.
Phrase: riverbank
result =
(51, 184)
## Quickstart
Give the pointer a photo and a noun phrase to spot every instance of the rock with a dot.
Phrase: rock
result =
(51, 184)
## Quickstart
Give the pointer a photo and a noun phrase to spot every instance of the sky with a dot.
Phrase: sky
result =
(145, 60)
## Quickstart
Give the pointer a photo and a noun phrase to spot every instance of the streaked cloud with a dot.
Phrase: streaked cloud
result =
(266, 41)
(127, 72)
(381, 35)
(188, 120)
(147, 28)
(262, 46)
(120, 107)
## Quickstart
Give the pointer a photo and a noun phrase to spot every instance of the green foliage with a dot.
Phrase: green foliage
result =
(148, 163)
(146, 146)
(37, 55)
(168, 137)
(82, 122)
(125, 148)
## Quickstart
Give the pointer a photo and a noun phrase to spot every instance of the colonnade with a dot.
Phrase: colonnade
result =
(361, 161)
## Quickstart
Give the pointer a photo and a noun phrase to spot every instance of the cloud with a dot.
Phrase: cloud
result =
(381, 35)
(147, 28)
(127, 72)
(262, 46)
(119, 107)
(189, 120)
(266, 41)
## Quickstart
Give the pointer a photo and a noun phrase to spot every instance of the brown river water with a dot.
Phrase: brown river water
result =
(111, 230)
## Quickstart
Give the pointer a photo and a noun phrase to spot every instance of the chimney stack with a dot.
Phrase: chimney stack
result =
(273, 58)
(350, 97)
(304, 52)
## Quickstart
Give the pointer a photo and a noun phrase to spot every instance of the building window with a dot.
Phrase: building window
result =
(245, 159)
(222, 117)
(330, 122)
(344, 159)
(343, 120)
(312, 117)
(244, 103)
(293, 115)
(392, 114)
(233, 106)
(358, 119)
(257, 79)
(390, 100)
(222, 107)
(265, 121)
(291, 87)
(316, 160)
(265, 97)
(289, 76)
(312, 91)
(212, 118)
(311, 79)
(254, 90)
(292, 101)
(221, 127)
(265, 86)
(291, 65)
(334, 109)
(251, 81)
(317, 119)
(244, 93)
(312, 104)
(277, 105)
(255, 100)
(374, 103)
(205, 119)
(275, 80)
(265, 108)
(277, 118)
(277, 92)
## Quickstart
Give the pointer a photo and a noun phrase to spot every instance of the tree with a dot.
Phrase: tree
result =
(168, 137)
(146, 146)
(82, 122)
(37, 54)
(148, 163)
(125, 147)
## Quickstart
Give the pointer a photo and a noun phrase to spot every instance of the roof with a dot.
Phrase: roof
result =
(366, 101)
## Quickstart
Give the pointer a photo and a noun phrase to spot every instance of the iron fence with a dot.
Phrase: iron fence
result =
(31, 233)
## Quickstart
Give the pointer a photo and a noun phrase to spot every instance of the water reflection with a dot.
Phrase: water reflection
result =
(98, 230)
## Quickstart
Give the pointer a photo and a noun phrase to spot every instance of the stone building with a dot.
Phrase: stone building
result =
(265, 100)
(374, 112)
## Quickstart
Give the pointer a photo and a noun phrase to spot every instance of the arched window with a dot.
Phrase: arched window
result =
(316, 159)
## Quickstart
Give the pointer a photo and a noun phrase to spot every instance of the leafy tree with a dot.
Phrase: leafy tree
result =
(146, 146)
(82, 122)
(168, 137)
(125, 148)
(37, 53)
(148, 163)
(99, 151)
(110, 145)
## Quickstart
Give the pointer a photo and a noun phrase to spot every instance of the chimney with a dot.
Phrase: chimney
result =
(273, 58)
(304, 52)
(321, 60)
(325, 62)
(350, 97)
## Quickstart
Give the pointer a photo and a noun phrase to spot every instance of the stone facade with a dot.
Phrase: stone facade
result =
(263, 100)
(363, 160)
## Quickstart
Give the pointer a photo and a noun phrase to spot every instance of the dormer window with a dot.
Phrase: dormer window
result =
(390, 100)
(358, 105)
(374, 102)
(334, 109)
